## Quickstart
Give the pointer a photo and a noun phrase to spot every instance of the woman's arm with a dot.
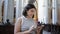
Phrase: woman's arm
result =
(17, 28)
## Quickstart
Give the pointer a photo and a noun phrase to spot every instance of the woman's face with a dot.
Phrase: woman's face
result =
(31, 12)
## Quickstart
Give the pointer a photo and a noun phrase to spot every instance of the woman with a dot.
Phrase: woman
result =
(26, 24)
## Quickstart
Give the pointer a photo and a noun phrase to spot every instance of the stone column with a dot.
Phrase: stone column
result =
(8, 10)
(43, 11)
(54, 11)
(0, 10)
(19, 8)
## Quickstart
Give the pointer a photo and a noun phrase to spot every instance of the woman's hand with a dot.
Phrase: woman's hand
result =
(31, 28)
(29, 31)
(39, 28)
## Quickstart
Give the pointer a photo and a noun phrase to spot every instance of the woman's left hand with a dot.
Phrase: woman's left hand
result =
(39, 28)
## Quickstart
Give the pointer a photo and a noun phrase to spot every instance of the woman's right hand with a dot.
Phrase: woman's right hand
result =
(31, 28)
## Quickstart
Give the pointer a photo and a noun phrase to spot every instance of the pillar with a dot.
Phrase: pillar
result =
(0, 10)
(54, 11)
(19, 8)
(8, 10)
(43, 11)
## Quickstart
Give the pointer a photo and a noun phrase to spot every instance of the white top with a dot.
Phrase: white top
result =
(26, 24)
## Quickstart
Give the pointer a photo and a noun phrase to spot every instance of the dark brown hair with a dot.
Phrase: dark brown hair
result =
(29, 6)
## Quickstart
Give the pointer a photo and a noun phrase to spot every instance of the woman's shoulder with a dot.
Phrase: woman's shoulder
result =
(20, 18)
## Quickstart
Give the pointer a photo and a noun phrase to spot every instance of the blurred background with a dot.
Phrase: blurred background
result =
(48, 13)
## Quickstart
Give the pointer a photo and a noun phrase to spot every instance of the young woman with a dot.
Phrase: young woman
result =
(26, 24)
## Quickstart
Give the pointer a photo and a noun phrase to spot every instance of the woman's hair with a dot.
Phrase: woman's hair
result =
(27, 8)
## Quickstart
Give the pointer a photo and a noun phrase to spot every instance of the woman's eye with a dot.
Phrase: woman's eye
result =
(32, 11)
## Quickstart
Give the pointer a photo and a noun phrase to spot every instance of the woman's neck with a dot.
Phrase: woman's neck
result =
(28, 17)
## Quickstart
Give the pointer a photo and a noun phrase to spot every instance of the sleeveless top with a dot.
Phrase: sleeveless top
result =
(26, 24)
